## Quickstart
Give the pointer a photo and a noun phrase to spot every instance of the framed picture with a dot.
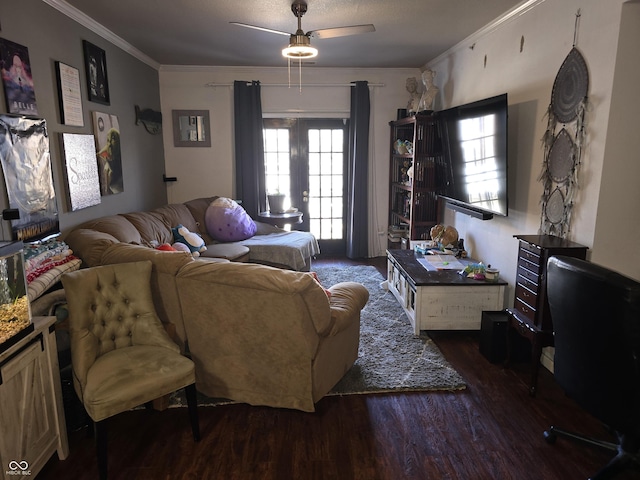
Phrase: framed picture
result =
(191, 128)
(16, 78)
(82, 170)
(95, 64)
(107, 134)
(69, 95)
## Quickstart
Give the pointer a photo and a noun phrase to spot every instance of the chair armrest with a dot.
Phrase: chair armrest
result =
(347, 300)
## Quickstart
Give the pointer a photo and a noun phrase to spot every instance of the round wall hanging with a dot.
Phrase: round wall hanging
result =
(570, 86)
(561, 157)
(554, 210)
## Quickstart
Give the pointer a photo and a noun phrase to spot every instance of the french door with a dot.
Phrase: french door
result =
(306, 160)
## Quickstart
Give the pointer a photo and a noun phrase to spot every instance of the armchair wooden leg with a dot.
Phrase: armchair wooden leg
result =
(192, 403)
(100, 429)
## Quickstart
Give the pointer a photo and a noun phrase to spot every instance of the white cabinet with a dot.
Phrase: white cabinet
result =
(32, 425)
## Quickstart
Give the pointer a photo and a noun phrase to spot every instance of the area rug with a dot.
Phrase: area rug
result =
(390, 358)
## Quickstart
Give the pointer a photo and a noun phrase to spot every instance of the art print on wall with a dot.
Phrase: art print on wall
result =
(107, 135)
(16, 78)
(69, 95)
(26, 164)
(95, 64)
(82, 170)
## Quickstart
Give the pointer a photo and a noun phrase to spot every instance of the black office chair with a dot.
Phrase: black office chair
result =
(596, 322)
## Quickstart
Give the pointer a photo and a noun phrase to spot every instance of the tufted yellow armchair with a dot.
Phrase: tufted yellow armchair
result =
(121, 355)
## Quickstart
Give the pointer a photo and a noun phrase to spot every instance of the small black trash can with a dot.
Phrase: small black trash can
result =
(493, 339)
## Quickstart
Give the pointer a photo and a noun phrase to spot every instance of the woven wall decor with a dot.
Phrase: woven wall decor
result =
(563, 143)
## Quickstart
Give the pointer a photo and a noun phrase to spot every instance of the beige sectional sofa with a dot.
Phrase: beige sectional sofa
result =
(257, 334)
(270, 246)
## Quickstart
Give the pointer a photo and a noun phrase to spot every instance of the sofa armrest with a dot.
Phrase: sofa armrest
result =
(89, 245)
(347, 299)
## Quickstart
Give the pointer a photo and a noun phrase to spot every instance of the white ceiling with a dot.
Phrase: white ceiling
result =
(409, 33)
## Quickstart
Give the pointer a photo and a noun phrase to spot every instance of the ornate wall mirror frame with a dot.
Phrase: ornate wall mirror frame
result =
(191, 128)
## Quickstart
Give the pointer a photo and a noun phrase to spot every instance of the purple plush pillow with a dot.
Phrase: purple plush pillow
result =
(226, 221)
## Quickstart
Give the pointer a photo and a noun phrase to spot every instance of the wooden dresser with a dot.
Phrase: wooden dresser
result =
(530, 315)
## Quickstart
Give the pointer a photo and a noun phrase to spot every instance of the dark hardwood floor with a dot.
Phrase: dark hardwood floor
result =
(491, 430)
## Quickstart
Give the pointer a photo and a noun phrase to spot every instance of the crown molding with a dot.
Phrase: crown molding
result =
(73, 13)
(512, 14)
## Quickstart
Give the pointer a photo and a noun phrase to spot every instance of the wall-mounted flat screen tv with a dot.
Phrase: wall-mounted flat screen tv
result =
(475, 144)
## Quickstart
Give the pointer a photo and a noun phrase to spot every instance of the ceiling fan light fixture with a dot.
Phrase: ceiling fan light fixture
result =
(299, 48)
(299, 51)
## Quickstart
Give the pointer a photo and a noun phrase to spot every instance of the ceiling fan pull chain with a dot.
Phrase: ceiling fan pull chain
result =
(300, 74)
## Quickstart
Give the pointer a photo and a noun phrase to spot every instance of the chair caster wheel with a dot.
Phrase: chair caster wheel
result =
(550, 437)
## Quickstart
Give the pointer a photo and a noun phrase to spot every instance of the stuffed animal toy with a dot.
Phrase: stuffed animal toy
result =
(192, 240)
(180, 247)
(165, 247)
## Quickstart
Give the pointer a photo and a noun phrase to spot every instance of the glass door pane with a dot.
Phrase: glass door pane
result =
(305, 159)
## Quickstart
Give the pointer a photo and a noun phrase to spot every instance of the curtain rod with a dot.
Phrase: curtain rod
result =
(213, 84)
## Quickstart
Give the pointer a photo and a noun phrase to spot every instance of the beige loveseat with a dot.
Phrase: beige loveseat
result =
(257, 334)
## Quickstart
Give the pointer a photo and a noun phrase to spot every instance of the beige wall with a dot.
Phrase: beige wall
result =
(618, 210)
(497, 63)
(518, 54)
(209, 171)
(546, 33)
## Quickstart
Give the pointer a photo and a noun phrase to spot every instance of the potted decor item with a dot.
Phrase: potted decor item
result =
(276, 202)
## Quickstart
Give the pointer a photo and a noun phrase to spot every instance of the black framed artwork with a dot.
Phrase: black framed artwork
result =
(95, 63)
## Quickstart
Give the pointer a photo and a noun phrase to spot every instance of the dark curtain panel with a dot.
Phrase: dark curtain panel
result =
(357, 173)
(250, 178)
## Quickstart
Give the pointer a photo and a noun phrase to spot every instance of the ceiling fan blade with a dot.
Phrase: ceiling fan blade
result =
(264, 29)
(342, 31)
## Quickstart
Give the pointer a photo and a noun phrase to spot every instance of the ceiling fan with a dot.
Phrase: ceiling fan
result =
(300, 42)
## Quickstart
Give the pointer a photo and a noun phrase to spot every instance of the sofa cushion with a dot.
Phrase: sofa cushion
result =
(230, 251)
(115, 225)
(152, 229)
(198, 208)
(226, 221)
(174, 214)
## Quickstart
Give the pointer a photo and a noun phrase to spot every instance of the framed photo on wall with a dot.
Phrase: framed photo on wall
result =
(16, 78)
(95, 64)
(69, 95)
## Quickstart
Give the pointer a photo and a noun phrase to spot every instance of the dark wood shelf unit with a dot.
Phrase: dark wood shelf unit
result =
(415, 203)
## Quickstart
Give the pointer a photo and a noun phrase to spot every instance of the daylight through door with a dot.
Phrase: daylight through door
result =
(305, 159)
